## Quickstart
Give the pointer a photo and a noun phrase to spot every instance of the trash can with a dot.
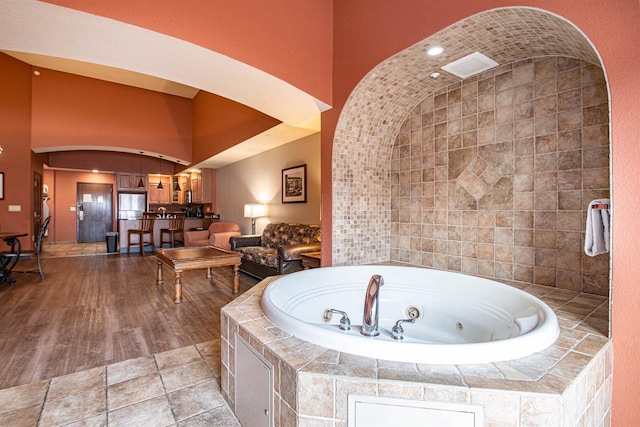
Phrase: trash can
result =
(112, 241)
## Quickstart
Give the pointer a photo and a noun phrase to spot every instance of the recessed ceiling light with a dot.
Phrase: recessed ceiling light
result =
(95, 171)
(435, 74)
(435, 50)
(36, 72)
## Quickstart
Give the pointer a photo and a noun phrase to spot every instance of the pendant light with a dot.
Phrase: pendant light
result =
(177, 186)
(160, 186)
(141, 183)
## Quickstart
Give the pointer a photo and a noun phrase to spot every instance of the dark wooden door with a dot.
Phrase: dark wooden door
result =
(94, 211)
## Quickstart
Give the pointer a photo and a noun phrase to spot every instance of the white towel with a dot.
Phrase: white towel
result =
(596, 239)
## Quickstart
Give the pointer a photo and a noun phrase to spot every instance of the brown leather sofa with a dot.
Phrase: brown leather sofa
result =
(277, 250)
(218, 234)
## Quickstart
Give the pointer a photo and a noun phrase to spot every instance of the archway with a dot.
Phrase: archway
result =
(378, 216)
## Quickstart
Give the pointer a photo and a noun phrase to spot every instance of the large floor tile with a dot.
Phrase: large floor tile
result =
(196, 399)
(153, 412)
(73, 408)
(129, 369)
(23, 396)
(135, 390)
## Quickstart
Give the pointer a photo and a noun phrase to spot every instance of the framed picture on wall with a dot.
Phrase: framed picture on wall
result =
(294, 184)
(1, 185)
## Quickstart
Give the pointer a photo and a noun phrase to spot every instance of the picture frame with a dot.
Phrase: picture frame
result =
(1, 185)
(294, 184)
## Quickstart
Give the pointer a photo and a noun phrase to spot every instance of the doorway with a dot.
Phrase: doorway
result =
(94, 211)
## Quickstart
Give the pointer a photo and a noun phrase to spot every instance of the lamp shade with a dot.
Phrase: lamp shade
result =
(254, 210)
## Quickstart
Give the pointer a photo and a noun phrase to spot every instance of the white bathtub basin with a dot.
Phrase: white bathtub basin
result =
(463, 319)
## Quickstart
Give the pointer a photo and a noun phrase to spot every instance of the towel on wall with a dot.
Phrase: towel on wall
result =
(596, 240)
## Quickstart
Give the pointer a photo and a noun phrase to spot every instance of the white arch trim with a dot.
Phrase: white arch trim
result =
(41, 28)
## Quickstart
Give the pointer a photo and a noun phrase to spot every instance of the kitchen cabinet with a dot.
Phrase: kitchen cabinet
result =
(160, 195)
(196, 188)
(206, 185)
(176, 195)
(130, 180)
(201, 185)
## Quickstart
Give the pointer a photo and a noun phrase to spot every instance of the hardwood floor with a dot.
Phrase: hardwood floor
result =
(91, 311)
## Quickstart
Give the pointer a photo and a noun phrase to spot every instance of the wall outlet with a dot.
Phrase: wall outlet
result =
(15, 208)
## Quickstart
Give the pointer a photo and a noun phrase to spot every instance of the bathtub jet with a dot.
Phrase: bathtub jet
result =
(457, 318)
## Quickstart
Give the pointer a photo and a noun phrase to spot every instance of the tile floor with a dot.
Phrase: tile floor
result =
(175, 388)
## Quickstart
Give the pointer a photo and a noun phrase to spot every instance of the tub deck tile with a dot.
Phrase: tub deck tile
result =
(343, 369)
(545, 380)
(507, 385)
(453, 379)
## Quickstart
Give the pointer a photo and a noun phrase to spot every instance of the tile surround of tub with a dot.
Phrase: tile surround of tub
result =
(567, 384)
(538, 108)
(518, 171)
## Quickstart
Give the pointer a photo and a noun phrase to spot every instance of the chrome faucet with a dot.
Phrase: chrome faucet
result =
(371, 306)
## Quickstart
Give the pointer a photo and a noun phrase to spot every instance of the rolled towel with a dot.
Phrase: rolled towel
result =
(596, 239)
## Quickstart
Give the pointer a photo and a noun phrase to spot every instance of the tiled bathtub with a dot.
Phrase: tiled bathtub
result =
(567, 384)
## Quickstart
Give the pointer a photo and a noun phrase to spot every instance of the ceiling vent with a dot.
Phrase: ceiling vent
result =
(470, 65)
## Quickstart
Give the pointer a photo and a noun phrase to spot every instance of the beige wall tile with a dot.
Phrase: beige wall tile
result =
(500, 409)
(507, 150)
(539, 411)
(316, 396)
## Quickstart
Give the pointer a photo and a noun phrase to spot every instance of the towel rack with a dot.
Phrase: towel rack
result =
(600, 206)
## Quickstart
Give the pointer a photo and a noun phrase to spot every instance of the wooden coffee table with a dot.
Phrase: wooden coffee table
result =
(311, 260)
(182, 259)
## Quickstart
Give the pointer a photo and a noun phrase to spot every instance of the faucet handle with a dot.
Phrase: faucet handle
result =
(345, 322)
(397, 333)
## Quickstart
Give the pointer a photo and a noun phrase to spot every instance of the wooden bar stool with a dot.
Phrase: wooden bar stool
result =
(146, 227)
(176, 227)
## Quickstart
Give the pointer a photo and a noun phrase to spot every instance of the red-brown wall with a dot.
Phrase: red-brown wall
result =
(70, 110)
(289, 39)
(15, 135)
(219, 123)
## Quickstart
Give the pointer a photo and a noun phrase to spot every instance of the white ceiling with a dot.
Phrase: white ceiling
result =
(110, 50)
(103, 72)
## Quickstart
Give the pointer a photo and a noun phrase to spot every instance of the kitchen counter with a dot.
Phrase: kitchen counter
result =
(124, 225)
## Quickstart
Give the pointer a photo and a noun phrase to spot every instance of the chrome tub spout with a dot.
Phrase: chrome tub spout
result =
(371, 307)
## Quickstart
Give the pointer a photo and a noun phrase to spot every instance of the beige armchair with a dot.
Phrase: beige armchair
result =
(217, 235)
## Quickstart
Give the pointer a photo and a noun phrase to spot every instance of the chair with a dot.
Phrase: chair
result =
(176, 227)
(30, 253)
(146, 227)
(208, 219)
(218, 234)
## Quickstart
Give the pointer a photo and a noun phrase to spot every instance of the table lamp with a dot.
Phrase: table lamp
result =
(253, 211)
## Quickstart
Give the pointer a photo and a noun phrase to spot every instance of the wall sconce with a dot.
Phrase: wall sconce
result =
(253, 211)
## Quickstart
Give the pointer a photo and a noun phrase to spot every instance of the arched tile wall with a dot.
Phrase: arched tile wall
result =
(370, 222)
